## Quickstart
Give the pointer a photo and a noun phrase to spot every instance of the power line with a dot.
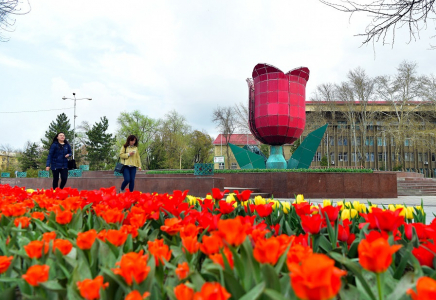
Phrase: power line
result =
(32, 111)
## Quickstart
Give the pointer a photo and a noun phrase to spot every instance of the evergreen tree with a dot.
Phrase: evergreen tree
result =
(324, 161)
(61, 124)
(100, 146)
(30, 158)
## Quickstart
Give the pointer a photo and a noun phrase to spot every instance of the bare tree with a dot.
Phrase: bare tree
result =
(241, 117)
(224, 118)
(404, 92)
(8, 8)
(362, 93)
(389, 15)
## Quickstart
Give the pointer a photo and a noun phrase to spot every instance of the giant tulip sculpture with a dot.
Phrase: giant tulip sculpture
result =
(277, 113)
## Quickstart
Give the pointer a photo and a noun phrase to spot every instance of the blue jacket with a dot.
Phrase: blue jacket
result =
(56, 157)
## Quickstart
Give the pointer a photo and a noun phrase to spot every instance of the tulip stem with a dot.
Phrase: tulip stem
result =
(379, 286)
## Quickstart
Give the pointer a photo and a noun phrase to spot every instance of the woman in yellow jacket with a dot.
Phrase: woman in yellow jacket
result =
(129, 155)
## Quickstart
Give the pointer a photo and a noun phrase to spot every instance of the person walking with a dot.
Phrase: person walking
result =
(130, 158)
(57, 159)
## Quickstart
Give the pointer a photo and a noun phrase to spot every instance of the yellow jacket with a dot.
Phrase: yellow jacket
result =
(127, 160)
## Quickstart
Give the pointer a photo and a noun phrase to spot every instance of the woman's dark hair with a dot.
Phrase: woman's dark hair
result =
(55, 139)
(131, 138)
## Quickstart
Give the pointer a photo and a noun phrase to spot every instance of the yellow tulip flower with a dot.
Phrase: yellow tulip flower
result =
(314, 209)
(362, 208)
(300, 199)
(348, 214)
(326, 203)
(409, 212)
(230, 198)
(192, 200)
(259, 200)
(286, 207)
(370, 208)
(276, 203)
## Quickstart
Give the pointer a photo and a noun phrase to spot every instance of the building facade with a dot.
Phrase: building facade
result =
(380, 137)
(374, 137)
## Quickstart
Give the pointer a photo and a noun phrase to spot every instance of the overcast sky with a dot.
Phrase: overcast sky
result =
(191, 56)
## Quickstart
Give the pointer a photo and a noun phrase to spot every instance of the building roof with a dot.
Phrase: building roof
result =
(237, 139)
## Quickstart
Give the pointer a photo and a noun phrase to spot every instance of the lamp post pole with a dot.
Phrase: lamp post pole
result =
(74, 119)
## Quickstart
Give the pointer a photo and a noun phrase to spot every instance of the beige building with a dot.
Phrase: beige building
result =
(7, 160)
(386, 144)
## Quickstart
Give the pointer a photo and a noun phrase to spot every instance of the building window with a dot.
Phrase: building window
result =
(345, 141)
(369, 141)
(353, 143)
(340, 141)
(345, 156)
(332, 157)
(412, 156)
(372, 156)
(392, 141)
(318, 156)
(381, 141)
(340, 156)
(366, 156)
(426, 157)
(380, 156)
(234, 166)
(221, 166)
(433, 157)
(342, 124)
(406, 156)
(393, 156)
(419, 156)
(408, 143)
(353, 157)
(332, 141)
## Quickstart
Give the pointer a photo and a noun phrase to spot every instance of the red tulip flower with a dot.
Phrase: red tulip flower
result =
(387, 220)
(425, 254)
(331, 211)
(244, 196)
(263, 210)
(311, 224)
(225, 207)
(302, 208)
(217, 194)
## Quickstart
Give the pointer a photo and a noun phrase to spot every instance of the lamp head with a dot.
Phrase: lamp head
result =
(64, 98)
(74, 94)
(89, 99)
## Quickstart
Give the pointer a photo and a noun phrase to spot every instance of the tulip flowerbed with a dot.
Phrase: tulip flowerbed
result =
(67, 244)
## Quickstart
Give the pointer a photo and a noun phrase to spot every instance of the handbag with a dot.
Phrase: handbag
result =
(72, 164)
(119, 167)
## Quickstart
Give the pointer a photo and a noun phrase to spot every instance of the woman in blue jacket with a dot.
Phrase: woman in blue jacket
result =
(57, 159)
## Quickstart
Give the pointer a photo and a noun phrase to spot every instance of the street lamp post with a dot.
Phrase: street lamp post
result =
(74, 120)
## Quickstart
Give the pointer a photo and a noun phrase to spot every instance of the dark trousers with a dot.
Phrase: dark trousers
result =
(64, 176)
(129, 175)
